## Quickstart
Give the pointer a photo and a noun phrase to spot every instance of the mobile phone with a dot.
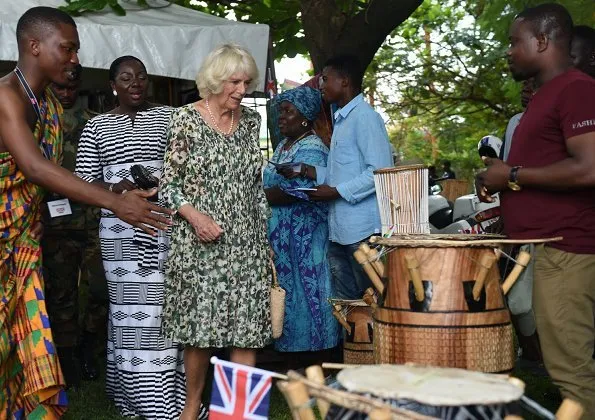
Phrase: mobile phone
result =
(303, 189)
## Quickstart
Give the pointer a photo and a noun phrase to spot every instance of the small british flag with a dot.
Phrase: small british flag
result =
(239, 392)
(271, 87)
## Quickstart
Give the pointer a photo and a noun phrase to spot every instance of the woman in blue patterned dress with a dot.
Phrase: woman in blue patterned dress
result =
(298, 228)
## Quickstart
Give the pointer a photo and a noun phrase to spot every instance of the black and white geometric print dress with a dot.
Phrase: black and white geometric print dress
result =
(145, 371)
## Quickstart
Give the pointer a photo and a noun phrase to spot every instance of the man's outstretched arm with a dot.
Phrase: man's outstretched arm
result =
(18, 139)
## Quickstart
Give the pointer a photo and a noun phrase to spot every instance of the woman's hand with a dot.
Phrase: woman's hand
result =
(205, 228)
(37, 231)
(123, 186)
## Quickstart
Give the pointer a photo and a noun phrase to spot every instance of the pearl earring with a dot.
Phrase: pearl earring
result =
(115, 93)
(304, 123)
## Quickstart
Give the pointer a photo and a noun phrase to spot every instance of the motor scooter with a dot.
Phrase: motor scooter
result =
(467, 214)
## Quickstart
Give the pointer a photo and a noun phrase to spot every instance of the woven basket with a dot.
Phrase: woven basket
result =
(486, 349)
(362, 356)
(277, 305)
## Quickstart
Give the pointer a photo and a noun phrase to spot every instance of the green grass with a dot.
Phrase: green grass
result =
(90, 401)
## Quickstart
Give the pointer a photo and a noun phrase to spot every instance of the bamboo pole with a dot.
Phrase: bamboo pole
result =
(487, 260)
(337, 366)
(413, 267)
(569, 410)
(380, 414)
(296, 394)
(315, 374)
(361, 257)
(521, 263)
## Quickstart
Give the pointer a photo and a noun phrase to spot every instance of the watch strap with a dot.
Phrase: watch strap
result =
(514, 173)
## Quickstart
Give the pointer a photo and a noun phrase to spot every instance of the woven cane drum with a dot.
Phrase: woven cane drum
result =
(358, 341)
(443, 304)
(402, 195)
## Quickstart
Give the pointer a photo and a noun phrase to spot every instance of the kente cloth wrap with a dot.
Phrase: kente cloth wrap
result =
(31, 382)
(305, 99)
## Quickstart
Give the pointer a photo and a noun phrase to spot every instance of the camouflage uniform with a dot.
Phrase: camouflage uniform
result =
(71, 243)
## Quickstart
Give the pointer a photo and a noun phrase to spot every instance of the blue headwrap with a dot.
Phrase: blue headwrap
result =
(305, 99)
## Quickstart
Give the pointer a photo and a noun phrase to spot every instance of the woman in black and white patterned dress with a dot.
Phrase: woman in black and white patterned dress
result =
(145, 372)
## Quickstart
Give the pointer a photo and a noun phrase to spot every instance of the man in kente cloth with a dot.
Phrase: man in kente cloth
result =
(31, 382)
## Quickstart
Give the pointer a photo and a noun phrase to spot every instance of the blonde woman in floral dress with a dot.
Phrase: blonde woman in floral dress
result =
(217, 273)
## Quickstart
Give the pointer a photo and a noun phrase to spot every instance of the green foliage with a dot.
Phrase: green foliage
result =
(340, 18)
(78, 7)
(280, 15)
(497, 15)
(443, 79)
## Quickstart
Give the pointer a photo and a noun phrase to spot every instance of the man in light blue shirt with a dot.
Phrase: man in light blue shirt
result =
(359, 146)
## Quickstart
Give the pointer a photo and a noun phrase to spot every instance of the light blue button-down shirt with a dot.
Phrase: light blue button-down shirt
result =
(359, 146)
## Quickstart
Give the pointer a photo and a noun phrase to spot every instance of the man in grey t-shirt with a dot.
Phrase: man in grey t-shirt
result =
(526, 94)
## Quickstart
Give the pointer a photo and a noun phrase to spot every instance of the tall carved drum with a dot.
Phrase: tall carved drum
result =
(443, 304)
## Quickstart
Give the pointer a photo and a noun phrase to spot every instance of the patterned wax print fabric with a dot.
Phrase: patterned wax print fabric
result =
(306, 99)
(31, 382)
(145, 371)
(217, 294)
(298, 234)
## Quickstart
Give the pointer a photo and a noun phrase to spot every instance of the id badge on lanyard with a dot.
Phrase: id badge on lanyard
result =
(60, 207)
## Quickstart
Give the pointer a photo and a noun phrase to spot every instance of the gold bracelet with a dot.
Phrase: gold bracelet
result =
(111, 187)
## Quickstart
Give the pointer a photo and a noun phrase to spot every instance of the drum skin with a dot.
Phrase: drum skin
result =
(448, 327)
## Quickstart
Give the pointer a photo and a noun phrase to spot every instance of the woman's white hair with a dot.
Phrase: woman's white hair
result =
(220, 65)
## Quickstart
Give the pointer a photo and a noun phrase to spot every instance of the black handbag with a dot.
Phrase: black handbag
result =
(144, 179)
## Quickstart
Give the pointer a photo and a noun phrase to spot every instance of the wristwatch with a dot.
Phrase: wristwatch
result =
(512, 178)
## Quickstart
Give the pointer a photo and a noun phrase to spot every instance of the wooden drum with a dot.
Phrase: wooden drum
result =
(443, 305)
(402, 195)
(358, 341)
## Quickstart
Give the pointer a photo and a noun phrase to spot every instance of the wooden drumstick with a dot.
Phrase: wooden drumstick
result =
(569, 410)
(413, 267)
(487, 260)
(368, 297)
(521, 263)
(375, 258)
(380, 414)
(315, 374)
(372, 254)
(296, 394)
(362, 259)
(338, 366)
(516, 382)
(337, 314)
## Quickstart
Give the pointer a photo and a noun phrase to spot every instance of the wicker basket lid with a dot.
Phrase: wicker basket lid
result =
(421, 240)
(431, 385)
(399, 169)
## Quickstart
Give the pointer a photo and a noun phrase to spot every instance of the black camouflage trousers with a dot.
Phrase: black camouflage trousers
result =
(66, 254)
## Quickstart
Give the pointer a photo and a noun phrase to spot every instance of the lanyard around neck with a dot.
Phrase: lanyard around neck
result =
(36, 108)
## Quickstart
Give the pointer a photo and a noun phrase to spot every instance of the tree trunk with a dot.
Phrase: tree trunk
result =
(330, 31)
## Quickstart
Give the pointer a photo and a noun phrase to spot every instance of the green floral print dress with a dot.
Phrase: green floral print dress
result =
(217, 294)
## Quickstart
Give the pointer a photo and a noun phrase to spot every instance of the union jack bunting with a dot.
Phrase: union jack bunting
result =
(239, 392)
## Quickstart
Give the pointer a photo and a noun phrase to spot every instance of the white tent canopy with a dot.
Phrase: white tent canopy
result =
(172, 41)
